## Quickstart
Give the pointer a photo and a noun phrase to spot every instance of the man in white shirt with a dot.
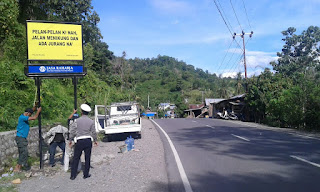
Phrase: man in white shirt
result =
(57, 137)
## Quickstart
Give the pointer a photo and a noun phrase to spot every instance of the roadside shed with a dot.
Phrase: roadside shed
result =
(194, 110)
(211, 105)
(233, 105)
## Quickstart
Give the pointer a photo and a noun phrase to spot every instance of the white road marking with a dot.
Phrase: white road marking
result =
(306, 161)
(210, 126)
(183, 175)
(194, 121)
(240, 137)
(303, 136)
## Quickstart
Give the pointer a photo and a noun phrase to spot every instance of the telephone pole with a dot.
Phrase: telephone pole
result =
(244, 49)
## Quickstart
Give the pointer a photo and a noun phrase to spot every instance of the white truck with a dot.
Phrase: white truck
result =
(118, 118)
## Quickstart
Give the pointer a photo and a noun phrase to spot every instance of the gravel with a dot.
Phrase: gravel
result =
(141, 170)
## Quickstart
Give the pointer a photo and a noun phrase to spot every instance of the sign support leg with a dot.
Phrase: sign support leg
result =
(38, 82)
(75, 91)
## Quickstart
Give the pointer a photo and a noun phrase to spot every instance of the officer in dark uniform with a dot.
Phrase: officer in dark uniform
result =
(83, 133)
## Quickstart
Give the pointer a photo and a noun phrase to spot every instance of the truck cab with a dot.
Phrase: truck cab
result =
(118, 118)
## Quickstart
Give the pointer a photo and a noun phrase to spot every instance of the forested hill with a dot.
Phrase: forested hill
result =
(166, 79)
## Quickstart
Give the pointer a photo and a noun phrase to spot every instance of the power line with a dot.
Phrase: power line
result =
(225, 55)
(238, 61)
(244, 48)
(230, 58)
(222, 16)
(253, 69)
(246, 14)
(236, 15)
(225, 15)
(225, 21)
(241, 56)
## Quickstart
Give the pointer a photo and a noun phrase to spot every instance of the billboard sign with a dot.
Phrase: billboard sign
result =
(52, 41)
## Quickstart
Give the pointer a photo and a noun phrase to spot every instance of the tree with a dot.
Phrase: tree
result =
(300, 52)
(239, 84)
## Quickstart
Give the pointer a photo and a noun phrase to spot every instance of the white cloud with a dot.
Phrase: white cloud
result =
(256, 62)
(256, 58)
(259, 59)
(229, 74)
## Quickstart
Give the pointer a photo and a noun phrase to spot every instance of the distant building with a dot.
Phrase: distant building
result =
(168, 109)
(164, 106)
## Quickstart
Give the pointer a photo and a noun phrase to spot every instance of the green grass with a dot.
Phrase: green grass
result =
(8, 188)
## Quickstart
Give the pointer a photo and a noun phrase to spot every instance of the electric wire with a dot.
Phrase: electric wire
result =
(225, 55)
(231, 57)
(225, 20)
(233, 66)
(242, 56)
(246, 14)
(236, 15)
(225, 15)
(236, 65)
(222, 17)
(248, 66)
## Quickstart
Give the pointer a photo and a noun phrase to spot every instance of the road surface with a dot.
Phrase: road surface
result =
(221, 155)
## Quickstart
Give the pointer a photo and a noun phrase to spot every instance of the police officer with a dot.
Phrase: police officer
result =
(83, 133)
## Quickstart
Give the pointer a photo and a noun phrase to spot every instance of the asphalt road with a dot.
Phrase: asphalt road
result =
(226, 156)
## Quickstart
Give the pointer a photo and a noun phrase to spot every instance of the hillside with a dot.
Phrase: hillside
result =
(165, 79)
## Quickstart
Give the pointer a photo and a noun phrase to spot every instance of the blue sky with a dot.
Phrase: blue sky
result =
(193, 31)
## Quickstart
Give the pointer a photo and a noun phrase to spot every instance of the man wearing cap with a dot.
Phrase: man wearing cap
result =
(83, 133)
(21, 138)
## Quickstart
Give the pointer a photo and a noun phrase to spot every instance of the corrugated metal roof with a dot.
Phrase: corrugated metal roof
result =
(238, 96)
(196, 106)
(209, 100)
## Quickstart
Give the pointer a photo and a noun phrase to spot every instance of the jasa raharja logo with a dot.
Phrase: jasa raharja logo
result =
(42, 69)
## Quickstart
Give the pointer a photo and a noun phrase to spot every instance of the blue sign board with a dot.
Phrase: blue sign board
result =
(55, 69)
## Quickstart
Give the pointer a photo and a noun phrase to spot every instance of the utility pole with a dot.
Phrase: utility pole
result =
(244, 49)
(202, 97)
(148, 101)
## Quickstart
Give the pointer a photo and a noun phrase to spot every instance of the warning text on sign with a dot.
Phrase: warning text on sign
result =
(54, 41)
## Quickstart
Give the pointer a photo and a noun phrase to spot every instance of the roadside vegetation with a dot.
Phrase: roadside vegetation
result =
(286, 96)
(290, 97)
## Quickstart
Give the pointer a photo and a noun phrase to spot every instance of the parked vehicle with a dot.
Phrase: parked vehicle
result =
(226, 115)
(118, 118)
